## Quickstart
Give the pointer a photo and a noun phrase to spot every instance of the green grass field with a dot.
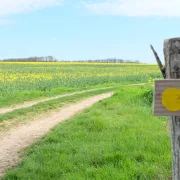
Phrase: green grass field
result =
(21, 82)
(117, 138)
(18, 116)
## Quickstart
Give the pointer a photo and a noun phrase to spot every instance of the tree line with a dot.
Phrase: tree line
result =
(112, 60)
(32, 59)
(53, 59)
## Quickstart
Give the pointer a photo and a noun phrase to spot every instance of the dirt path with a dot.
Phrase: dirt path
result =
(32, 103)
(13, 141)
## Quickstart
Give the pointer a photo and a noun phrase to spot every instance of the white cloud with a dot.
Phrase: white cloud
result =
(20, 6)
(135, 7)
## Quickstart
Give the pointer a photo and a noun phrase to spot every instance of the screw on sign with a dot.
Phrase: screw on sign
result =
(167, 97)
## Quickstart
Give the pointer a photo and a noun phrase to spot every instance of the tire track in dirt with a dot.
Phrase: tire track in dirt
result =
(16, 139)
(32, 103)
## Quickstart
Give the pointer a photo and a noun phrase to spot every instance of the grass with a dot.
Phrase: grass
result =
(21, 97)
(21, 82)
(117, 138)
(21, 115)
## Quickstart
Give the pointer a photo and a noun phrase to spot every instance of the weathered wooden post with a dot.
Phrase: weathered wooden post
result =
(172, 60)
(167, 97)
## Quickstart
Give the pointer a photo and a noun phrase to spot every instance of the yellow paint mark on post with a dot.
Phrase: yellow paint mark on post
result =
(171, 99)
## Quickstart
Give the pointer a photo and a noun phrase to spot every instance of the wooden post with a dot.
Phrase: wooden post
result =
(172, 61)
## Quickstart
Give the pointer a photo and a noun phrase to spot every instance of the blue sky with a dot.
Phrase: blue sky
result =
(80, 30)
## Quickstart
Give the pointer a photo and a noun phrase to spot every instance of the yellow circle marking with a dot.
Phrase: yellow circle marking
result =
(171, 99)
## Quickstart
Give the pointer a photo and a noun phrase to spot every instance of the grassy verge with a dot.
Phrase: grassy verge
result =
(117, 138)
(21, 97)
(20, 115)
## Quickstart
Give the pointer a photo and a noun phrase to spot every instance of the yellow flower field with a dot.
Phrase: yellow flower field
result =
(44, 76)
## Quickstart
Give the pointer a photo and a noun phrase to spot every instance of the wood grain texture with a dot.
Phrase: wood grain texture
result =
(160, 87)
(172, 61)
